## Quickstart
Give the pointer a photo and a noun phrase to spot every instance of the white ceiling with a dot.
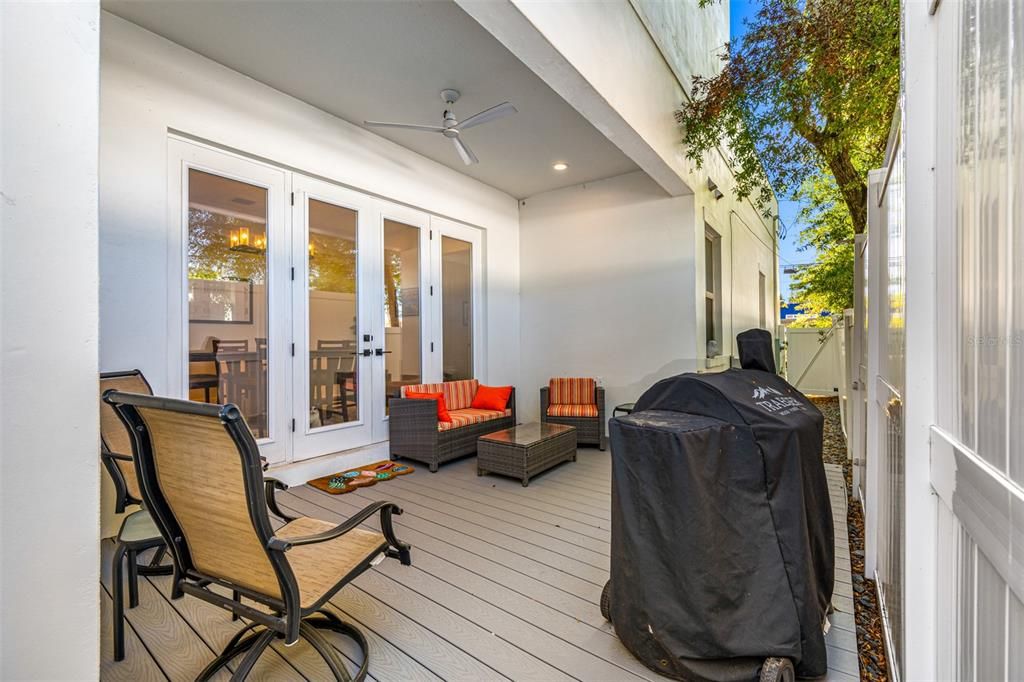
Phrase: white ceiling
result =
(389, 61)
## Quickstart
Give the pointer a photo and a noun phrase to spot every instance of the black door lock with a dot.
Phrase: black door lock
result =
(366, 353)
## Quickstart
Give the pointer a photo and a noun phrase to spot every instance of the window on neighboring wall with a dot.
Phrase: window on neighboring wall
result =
(712, 292)
(762, 293)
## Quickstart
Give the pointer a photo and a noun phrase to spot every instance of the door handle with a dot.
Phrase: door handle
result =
(366, 352)
(381, 351)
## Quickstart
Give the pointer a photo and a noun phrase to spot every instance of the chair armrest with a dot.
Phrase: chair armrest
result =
(599, 399)
(544, 402)
(398, 549)
(416, 415)
(511, 404)
(271, 486)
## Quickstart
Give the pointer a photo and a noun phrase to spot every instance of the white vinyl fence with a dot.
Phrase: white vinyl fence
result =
(972, 446)
(814, 363)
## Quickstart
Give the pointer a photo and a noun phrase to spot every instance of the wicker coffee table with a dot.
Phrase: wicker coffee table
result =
(525, 450)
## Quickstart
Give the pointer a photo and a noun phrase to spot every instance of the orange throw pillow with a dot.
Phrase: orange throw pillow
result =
(491, 398)
(442, 409)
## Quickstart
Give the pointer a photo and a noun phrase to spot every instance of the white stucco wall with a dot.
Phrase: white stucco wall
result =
(690, 36)
(49, 442)
(607, 272)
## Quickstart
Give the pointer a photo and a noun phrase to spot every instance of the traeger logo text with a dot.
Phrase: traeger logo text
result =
(772, 400)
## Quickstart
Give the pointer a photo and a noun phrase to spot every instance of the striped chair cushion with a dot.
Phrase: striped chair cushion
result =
(571, 391)
(468, 416)
(458, 395)
(572, 411)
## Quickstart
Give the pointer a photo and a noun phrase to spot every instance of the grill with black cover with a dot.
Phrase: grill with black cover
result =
(722, 538)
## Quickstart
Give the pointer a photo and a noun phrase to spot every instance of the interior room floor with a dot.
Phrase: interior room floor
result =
(505, 583)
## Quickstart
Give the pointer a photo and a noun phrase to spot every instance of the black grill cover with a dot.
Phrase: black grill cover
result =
(722, 538)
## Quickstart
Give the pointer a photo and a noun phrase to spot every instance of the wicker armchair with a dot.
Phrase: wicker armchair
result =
(570, 401)
(417, 435)
(201, 477)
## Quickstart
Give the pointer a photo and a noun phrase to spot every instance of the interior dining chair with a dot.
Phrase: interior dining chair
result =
(138, 533)
(201, 476)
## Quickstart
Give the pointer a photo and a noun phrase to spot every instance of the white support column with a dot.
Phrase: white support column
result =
(920, 54)
(49, 462)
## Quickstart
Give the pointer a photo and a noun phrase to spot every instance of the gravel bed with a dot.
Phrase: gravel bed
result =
(870, 639)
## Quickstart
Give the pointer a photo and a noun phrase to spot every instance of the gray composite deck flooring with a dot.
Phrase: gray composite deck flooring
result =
(505, 584)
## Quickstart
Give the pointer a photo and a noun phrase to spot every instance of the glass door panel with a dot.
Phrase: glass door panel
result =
(227, 268)
(457, 307)
(333, 304)
(403, 338)
(457, 267)
(332, 365)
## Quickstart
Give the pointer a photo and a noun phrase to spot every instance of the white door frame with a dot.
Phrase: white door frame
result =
(442, 227)
(309, 442)
(182, 156)
(420, 220)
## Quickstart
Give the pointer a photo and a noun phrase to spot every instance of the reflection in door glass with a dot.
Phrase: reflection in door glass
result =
(457, 308)
(402, 364)
(227, 295)
(333, 314)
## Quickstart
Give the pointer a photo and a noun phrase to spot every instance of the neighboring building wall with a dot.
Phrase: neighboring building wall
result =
(748, 248)
(49, 432)
(607, 276)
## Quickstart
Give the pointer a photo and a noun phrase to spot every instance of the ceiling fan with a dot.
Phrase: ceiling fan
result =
(452, 127)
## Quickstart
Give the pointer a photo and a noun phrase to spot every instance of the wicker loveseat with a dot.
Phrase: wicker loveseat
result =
(417, 434)
(575, 402)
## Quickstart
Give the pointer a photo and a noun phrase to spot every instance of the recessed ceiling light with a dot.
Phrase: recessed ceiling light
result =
(560, 166)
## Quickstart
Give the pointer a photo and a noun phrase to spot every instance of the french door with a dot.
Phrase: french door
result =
(309, 304)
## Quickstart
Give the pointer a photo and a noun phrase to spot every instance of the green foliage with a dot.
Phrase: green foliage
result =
(826, 285)
(812, 85)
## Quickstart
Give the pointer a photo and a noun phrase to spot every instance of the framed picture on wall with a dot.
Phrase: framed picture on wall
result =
(220, 301)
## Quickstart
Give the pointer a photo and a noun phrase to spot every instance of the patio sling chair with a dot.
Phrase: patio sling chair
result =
(138, 533)
(200, 473)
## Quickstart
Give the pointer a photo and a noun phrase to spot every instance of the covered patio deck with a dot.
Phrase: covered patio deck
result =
(505, 584)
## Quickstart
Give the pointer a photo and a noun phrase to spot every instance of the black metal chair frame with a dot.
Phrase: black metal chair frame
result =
(128, 548)
(288, 619)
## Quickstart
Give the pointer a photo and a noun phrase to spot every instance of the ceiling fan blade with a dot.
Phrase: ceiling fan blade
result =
(468, 157)
(503, 109)
(407, 126)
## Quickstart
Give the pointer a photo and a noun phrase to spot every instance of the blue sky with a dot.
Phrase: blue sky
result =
(788, 248)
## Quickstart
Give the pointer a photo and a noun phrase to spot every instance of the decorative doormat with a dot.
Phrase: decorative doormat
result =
(371, 474)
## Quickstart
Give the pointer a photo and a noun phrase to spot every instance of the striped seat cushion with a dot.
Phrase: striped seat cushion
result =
(571, 391)
(468, 416)
(458, 395)
(572, 411)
